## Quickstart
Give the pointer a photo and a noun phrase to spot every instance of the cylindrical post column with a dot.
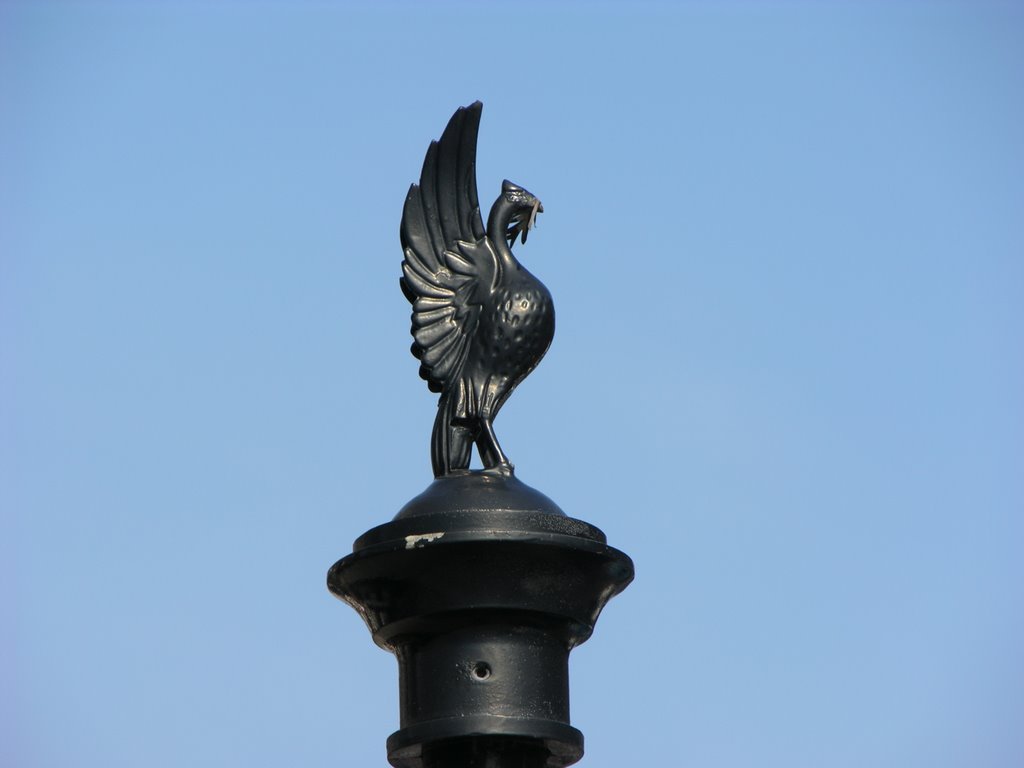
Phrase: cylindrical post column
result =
(481, 586)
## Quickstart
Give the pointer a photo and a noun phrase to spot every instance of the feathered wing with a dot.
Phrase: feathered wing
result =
(447, 255)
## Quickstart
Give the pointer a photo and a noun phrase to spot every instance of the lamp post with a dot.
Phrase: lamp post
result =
(481, 585)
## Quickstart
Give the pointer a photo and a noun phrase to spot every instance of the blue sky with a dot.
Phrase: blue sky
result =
(785, 243)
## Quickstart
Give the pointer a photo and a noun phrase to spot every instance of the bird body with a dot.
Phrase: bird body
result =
(481, 322)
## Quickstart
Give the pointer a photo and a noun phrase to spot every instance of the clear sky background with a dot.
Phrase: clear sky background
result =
(786, 244)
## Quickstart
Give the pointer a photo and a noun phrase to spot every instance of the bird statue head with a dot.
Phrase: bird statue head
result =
(525, 208)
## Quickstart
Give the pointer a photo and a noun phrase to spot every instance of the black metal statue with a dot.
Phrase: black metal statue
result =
(480, 585)
(481, 322)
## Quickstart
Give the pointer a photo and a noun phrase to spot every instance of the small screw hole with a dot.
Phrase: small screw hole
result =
(481, 670)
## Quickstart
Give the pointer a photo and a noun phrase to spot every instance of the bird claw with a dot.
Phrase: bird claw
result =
(504, 469)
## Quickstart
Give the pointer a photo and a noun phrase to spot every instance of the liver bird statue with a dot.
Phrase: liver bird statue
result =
(480, 321)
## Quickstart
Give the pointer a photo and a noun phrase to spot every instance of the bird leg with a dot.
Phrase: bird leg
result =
(487, 444)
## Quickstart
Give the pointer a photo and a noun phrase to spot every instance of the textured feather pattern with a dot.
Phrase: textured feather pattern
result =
(447, 255)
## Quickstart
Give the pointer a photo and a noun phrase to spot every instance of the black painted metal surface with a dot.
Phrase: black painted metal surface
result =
(481, 585)
(480, 321)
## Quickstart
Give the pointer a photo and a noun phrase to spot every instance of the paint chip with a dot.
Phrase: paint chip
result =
(411, 542)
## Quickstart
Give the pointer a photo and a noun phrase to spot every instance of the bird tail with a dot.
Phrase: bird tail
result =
(451, 445)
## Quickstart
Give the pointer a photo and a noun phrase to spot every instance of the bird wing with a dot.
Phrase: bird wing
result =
(448, 257)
